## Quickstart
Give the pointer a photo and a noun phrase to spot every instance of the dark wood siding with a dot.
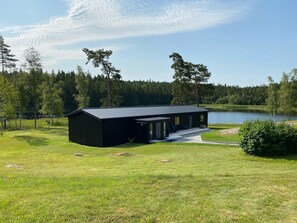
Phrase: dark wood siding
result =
(141, 133)
(86, 130)
(118, 131)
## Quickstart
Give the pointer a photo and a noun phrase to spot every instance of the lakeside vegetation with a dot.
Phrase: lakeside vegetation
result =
(232, 107)
(42, 181)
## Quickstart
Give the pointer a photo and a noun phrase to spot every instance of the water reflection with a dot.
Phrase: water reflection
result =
(240, 117)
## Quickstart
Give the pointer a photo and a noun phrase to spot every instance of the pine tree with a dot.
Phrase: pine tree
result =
(100, 58)
(7, 60)
(181, 87)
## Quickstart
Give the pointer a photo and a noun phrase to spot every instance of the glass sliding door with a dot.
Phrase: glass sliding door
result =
(158, 130)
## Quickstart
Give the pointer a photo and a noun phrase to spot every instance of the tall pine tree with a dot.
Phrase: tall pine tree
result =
(7, 59)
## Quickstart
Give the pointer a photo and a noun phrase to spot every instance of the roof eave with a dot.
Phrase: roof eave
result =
(81, 110)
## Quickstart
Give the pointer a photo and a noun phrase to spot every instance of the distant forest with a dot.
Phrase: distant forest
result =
(132, 93)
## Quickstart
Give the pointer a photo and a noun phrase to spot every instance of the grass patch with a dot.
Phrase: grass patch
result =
(42, 181)
(222, 133)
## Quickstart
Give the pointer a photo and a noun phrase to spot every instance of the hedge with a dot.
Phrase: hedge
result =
(267, 138)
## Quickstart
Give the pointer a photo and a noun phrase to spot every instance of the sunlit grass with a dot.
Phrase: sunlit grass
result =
(218, 133)
(42, 181)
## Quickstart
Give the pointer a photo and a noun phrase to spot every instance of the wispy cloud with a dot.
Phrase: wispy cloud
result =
(92, 20)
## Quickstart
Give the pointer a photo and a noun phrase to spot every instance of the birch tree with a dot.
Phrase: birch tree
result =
(34, 66)
(272, 99)
(52, 104)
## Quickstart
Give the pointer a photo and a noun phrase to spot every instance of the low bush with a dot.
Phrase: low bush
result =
(267, 138)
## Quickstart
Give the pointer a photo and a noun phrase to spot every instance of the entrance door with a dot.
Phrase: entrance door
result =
(151, 131)
(158, 130)
(190, 121)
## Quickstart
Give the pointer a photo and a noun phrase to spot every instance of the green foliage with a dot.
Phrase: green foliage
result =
(34, 66)
(284, 97)
(100, 58)
(272, 100)
(8, 99)
(52, 103)
(82, 85)
(224, 94)
(267, 138)
(187, 79)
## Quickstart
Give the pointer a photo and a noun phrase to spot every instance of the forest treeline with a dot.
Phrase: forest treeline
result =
(131, 93)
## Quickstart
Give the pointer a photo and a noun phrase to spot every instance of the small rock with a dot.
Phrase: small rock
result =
(166, 161)
(122, 154)
(17, 166)
(78, 154)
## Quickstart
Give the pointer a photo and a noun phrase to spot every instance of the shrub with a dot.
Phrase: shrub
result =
(267, 138)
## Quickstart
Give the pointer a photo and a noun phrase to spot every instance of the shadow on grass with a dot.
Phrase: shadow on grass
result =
(33, 141)
(129, 145)
(54, 130)
(285, 157)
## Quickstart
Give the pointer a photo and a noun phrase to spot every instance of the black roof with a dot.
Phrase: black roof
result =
(124, 112)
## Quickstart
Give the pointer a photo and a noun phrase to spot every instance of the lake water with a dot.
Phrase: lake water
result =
(240, 117)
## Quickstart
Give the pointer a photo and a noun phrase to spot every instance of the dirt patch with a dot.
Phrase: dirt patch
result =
(125, 154)
(229, 131)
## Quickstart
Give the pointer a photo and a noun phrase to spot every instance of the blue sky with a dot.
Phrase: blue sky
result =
(240, 41)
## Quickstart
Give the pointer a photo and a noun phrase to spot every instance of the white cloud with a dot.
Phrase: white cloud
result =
(92, 20)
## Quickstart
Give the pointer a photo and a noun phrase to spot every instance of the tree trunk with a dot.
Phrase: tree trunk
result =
(197, 93)
(35, 120)
(4, 123)
(35, 116)
(109, 90)
(20, 119)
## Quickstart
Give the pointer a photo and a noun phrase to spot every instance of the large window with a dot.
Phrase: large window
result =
(176, 120)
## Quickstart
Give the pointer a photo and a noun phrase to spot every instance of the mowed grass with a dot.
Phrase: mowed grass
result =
(42, 181)
(218, 133)
(227, 133)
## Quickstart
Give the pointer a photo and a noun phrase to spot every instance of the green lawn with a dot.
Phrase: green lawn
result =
(218, 133)
(42, 181)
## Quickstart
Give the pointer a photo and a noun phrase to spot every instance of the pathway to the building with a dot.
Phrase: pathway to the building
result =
(192, 136)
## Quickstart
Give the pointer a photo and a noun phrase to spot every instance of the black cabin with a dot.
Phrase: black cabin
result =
(105, 127)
